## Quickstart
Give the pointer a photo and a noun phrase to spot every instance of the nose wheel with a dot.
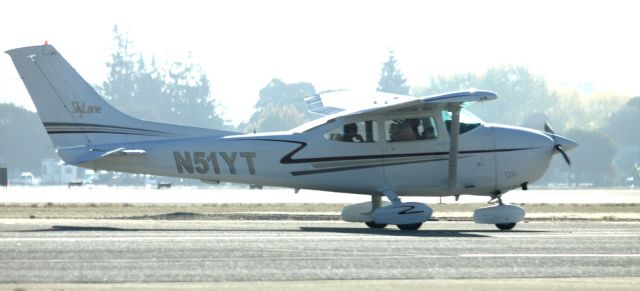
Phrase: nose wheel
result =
(505, 226)
(504, 217)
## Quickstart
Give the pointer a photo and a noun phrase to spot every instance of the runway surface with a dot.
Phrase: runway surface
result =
(119, 251)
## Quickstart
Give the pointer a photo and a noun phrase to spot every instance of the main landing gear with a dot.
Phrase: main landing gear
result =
(372, 224)
(405, 215)
(376, 202)
(379, 214)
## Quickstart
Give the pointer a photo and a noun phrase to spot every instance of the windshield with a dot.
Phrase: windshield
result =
(314, 124)
(468, 120)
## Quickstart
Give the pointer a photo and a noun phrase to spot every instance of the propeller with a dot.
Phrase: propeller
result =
(557, 146)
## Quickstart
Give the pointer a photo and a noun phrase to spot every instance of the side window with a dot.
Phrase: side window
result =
(361, 131)
(408, 129)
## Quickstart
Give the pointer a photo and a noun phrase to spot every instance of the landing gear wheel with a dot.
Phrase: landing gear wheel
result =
(373, 224)
(505, 226)
(412, 226)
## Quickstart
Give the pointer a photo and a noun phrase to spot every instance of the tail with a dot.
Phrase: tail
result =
(72, 111)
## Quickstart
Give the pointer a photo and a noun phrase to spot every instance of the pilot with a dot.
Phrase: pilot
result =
(351, 133)
(429, 133)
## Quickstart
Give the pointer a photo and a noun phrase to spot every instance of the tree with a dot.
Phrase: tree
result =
(391, 78)
(187, 89)
(281, 107)
(592, 160)
(24, 140)
(624, 125)
(441, 84)
(125, 69)
(180, 94)
(520, 93)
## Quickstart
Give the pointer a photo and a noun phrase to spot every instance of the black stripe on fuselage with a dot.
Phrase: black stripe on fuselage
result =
(288, 158)
(70, 128)
(81, 125)
(105, 132)
(320, 171)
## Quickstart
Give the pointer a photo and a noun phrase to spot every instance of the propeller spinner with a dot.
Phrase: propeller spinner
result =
(561, 144)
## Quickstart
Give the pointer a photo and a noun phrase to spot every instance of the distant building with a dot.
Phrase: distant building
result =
(4, 178)
(26, 179)
(627, 157)
(54, 172)
(628, 162)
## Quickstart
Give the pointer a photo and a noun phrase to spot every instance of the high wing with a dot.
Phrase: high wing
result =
(351, 103)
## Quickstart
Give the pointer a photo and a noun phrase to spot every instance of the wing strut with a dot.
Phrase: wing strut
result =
(454, 133)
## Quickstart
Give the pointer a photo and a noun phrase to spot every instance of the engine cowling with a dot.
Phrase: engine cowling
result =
(499, 214)
(402, 213)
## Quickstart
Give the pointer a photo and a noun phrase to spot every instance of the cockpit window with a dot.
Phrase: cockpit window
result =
(362, 131)
(408, 129)
(468, 120)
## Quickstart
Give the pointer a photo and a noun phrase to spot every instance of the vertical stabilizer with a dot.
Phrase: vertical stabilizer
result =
(72, 111)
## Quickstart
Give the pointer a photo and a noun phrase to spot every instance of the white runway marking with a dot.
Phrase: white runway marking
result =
(523, 235)
(547, 255)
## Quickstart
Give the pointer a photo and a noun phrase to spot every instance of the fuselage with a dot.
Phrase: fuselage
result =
(491, 157)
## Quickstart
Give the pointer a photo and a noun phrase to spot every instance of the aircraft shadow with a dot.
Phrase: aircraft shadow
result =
(413, 233)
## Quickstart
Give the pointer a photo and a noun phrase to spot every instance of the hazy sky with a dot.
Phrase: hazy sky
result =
(334, 44)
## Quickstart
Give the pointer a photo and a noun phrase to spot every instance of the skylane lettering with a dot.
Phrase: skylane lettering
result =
(82, 109)
(202, 162)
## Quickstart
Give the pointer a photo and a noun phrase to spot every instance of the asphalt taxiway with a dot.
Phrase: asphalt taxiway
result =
(145, 252)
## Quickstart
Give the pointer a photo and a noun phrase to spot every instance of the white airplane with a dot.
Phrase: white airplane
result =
(387, 145)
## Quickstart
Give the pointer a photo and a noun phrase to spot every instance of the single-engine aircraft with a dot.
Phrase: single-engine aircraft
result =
(384, 145)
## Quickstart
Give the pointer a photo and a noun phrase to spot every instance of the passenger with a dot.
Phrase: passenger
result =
(414, 123)
(402, 132)
(351, 133)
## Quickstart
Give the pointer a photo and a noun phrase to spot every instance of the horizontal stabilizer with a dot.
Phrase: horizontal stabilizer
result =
(316, 105)
(96, 154)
